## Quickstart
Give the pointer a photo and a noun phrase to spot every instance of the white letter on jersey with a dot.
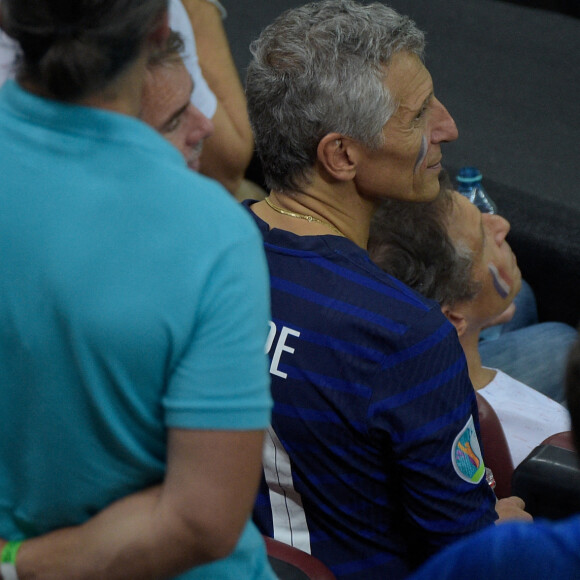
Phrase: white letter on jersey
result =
(280, 347)
(271, 336)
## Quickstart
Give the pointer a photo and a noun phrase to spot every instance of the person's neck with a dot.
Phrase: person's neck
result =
(122, 95)
(334, 204)
(480, 376)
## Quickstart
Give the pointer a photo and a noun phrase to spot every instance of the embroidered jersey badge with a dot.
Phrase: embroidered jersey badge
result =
(466, 454)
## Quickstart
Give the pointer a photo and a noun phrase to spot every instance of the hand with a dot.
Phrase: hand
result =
(512, 508)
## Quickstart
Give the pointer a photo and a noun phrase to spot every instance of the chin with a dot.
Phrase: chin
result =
(428, 189)
(428, 193)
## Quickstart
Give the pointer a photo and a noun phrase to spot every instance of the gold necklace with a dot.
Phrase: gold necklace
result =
(302, 216)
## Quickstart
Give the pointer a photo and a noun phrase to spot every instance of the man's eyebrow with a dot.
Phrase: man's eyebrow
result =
(411, 112)
(175, 115)
(427, 100)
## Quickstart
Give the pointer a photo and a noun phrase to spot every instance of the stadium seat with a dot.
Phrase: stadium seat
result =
(290, 563)
(564, 440)
(548, 480)
(496, 453)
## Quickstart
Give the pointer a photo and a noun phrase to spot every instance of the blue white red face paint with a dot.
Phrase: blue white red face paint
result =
(501, 281)
(422, 153)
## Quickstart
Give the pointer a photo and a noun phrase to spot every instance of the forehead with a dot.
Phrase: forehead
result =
(167, 88)
(465, 223)
(169, 78)
(408, 81)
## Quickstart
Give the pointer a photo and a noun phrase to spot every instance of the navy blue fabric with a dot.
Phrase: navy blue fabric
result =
(376, 390)
(512, 551)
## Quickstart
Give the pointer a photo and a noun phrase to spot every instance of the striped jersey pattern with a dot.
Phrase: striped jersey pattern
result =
(371, 392)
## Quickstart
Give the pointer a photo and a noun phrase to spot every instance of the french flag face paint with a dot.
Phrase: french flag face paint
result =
(422, 153)
(501, 285)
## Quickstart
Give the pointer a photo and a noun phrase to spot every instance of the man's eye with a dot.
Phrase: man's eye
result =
(421, 114)
(172, 125)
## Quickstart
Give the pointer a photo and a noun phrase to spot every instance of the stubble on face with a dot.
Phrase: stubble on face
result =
(408, 164)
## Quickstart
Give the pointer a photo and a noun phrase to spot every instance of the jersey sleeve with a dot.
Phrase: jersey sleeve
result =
(222, 381)
(429, 422)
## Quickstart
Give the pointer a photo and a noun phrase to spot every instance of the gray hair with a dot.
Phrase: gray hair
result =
(409, 240)
(319, 69)
(73, 49)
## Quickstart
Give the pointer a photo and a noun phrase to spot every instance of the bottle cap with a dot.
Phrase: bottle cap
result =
(469, 175)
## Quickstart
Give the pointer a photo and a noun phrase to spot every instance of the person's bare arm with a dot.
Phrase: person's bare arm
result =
(194, 517)
(510, 509)
(227, 153)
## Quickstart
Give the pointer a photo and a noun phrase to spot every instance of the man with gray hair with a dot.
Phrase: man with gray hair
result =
(372, 460)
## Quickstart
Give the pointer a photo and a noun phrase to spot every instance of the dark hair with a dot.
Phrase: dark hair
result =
(71, 49)
(573, 390)
(409, 240)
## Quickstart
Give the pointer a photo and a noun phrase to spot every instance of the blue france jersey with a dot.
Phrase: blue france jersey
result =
(372, 461)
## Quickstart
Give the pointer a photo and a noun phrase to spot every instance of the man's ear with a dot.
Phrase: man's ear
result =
(456, 317)
(334, 153)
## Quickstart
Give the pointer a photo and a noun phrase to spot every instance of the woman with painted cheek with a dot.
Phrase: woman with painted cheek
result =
(496, 269)
(505, 273)
(450, 252)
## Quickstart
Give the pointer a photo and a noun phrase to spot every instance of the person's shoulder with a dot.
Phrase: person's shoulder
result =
(407, 317)
(215, 209)
(422, 316)
(514, 389)
(502, 383)
(511, 551)
(544, 548)
(396, 289)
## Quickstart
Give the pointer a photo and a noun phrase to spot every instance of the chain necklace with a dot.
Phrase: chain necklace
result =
(303, 216)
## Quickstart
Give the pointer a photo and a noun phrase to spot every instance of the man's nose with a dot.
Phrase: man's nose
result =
(443, 127)
(200, 127)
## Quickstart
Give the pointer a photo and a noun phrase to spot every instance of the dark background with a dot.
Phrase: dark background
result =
(571, 7)
(509, 73)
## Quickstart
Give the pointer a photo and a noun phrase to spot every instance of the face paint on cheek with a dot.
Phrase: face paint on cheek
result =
(422, 153)
(501, 283)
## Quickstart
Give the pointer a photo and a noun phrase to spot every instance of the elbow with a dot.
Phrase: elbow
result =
(208, 541)
(223, 545)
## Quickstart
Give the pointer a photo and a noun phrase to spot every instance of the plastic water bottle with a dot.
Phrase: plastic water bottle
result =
(469, 184)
